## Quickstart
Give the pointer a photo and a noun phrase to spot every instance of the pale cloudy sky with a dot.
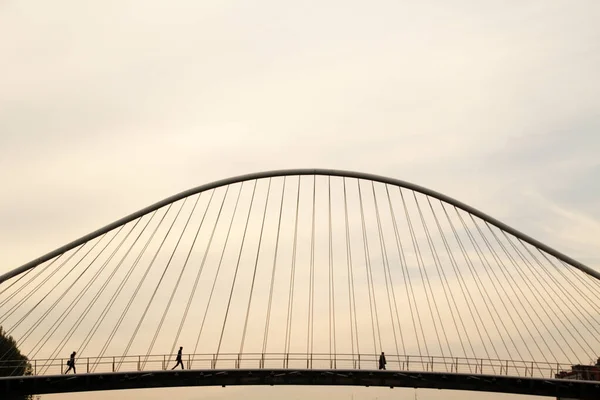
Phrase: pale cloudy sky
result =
(106, 107)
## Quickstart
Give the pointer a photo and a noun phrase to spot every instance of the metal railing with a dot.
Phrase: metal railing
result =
(412, 363)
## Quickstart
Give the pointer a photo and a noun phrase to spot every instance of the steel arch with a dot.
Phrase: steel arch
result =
(299, 172)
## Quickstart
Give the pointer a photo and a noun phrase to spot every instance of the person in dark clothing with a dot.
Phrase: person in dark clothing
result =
(71, 364)
(178, 359)
(382, 361)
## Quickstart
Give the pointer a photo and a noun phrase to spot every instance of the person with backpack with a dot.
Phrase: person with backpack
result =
(71, 364)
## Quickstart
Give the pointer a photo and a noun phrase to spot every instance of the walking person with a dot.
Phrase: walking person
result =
(382, 361)
(178, 359)
(71, 364)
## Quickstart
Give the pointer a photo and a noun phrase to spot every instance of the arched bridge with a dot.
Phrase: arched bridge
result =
(302, 277)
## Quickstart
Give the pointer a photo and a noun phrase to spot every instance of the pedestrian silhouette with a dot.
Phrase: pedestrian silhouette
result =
(382, 361)
(178, 359)
(71, 364)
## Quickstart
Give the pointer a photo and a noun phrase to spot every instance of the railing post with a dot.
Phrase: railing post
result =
(164, 362)
(88, 365)
(359, 361)
(189, 361)
(532, 368)
(262, 361)
(139, 366)
(113, 365)
(35, 367)
(506, 367)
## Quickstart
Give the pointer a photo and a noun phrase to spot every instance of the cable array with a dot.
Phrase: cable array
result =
(305, 265)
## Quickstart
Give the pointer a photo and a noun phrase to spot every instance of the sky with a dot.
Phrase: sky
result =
(107, 107)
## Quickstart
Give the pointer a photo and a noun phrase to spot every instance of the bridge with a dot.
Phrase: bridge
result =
(302, 277)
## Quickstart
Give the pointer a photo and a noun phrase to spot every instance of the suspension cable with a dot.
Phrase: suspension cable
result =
(351, 292)
(519, 298)
(237, 267)
(272, 280)
(535, 290)
(137, 289)
(420, 256)
(89, 306)
(576, 309)
(21, 276)
(137, 328)
(288, 326)
(311, 282)
(332, 318)
(39, 272)
(465, 289)
(201, 268)
(407, 281)
(447, 284)
(174, 291)
(11, 329)
(212, 290)
(385, 265)
(371, 290)
(54, 327)
(113, 298)
(262, 227)
(489, 272)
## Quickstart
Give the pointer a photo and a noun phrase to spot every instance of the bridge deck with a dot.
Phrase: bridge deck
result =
(321, 361)
(228, 377)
